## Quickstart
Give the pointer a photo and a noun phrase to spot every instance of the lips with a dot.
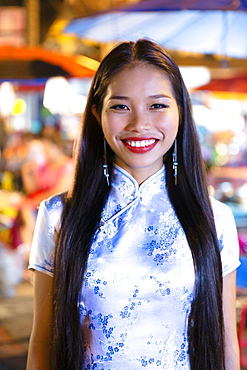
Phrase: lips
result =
(140, 145)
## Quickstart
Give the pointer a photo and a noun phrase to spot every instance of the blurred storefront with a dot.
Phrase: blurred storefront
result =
(42, 98)
(221, 118)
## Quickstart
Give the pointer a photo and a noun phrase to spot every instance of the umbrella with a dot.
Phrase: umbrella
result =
(210, 32)
(36, 62)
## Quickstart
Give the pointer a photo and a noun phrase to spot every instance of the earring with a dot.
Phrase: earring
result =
(105, 165)
(175, 162)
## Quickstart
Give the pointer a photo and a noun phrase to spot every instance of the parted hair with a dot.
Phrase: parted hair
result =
(84, 202)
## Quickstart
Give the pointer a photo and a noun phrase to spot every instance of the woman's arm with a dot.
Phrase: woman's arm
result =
(40, 340)
(229, 309)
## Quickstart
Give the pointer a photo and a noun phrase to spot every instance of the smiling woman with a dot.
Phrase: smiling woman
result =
(135, 264)
(139, 119)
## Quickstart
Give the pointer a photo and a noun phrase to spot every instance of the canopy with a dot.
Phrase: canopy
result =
(210, 32)
(28, 62)
(146, 5)
(232, 84)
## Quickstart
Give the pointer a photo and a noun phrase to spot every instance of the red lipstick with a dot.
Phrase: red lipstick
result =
(139, 145)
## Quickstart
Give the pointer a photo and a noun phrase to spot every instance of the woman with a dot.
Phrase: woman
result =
(137, 276)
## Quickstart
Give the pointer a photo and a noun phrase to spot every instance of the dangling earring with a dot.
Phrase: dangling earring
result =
(175, 162)
(105, 165)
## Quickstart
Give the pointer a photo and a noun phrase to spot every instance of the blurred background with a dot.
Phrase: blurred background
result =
(49, 52)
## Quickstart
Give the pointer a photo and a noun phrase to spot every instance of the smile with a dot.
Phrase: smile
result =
(141, 143)
(139, 146)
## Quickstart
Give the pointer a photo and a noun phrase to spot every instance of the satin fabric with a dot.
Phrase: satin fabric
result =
(138, 287)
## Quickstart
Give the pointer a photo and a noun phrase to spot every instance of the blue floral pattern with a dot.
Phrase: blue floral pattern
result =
(138, 287)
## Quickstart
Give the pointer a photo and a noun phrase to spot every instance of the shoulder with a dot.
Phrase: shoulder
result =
(44, 238)
(224, 221)
(221, 211)
(227, 236)
(54, 202)
(51, 209)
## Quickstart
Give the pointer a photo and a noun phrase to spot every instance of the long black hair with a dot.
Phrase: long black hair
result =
(84, 202)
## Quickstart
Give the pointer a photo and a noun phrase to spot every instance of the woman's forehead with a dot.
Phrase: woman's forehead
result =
(139, 75)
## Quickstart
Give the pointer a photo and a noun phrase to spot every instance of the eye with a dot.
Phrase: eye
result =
(159, 106)
(119, 107)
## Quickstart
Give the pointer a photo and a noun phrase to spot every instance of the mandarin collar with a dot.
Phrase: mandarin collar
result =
(128, 187)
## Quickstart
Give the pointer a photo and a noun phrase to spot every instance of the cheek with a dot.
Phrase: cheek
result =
(111, 125)
(109, 128)
(174, 121)
(169, 126)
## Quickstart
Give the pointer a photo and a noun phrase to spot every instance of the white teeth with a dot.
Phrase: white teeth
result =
(140, 144)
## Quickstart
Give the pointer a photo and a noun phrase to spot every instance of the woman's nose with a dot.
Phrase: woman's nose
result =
(139, 121)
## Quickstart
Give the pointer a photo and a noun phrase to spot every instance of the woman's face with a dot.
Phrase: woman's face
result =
(140, 119)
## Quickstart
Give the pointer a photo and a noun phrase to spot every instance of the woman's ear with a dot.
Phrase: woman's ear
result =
(95, 113)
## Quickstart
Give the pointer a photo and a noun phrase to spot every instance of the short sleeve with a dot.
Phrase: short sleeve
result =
(227, 236)
(43, 244)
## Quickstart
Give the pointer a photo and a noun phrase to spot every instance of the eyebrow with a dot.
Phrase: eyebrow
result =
(119, 97)
(156, 96)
